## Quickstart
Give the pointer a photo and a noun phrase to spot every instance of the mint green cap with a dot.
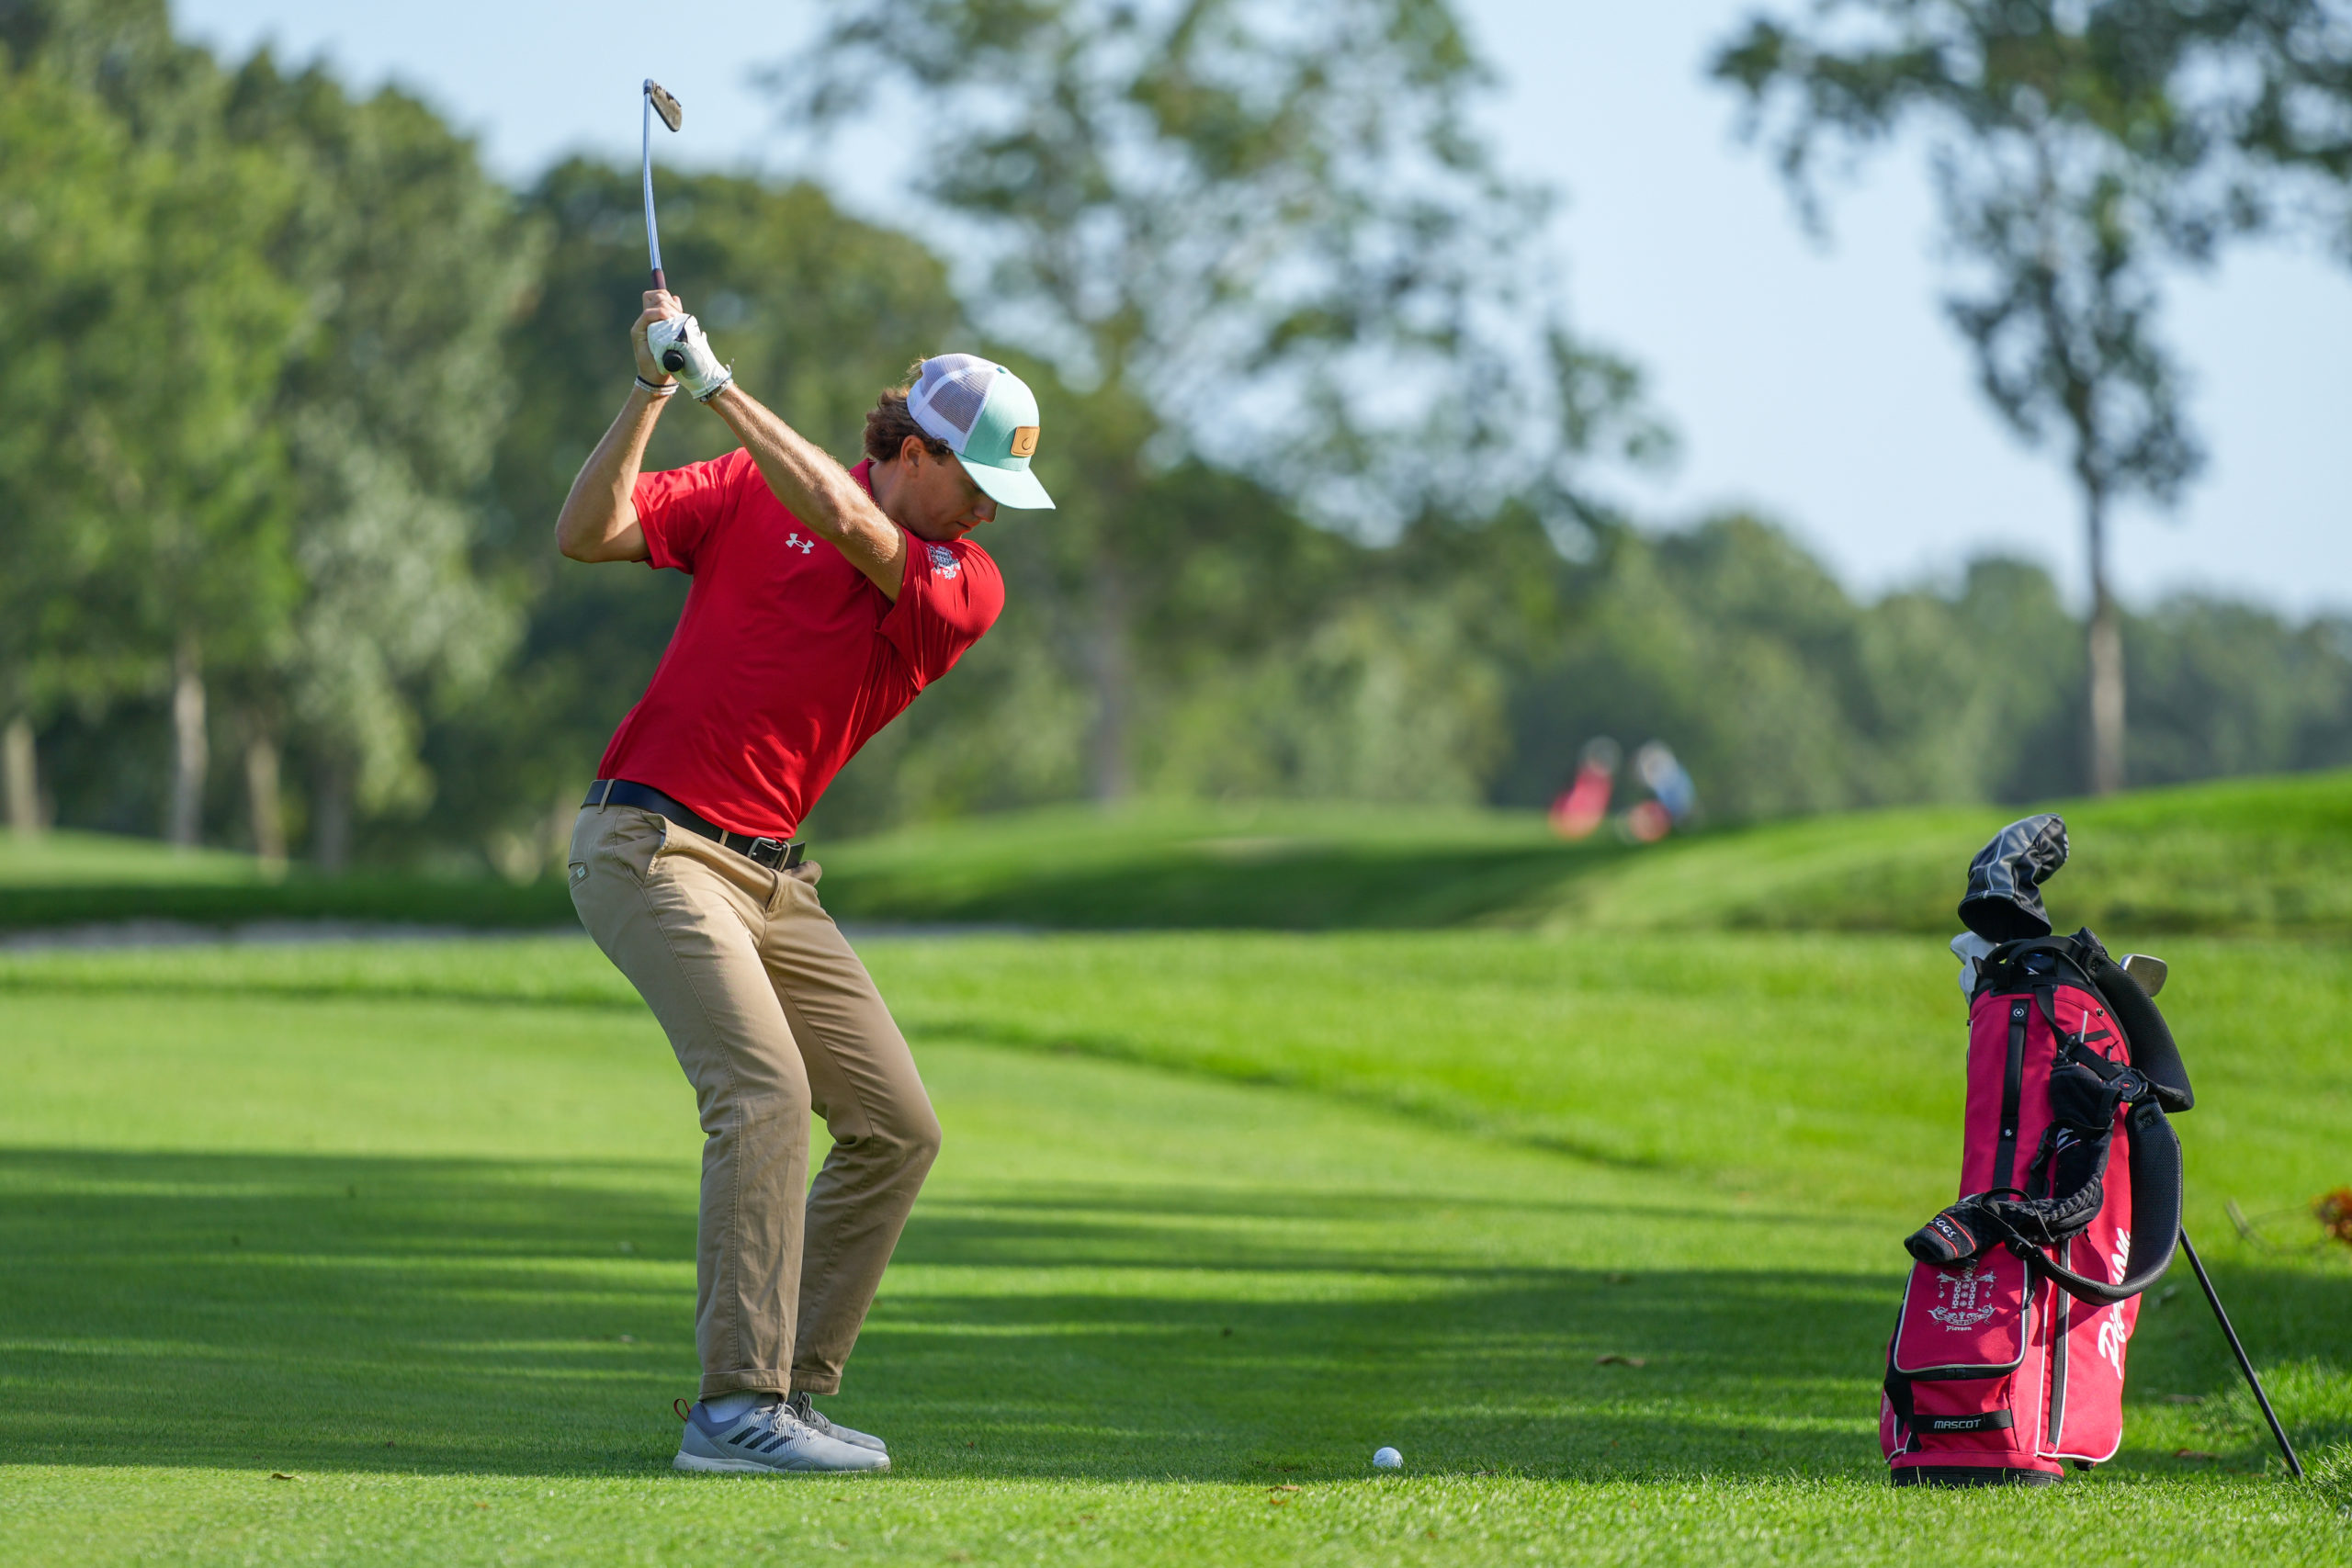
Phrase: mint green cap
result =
(988, 418)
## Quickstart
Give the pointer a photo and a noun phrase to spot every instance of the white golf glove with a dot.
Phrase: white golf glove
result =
(679, 347)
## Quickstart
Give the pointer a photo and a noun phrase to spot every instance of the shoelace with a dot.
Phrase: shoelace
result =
(809, 1415)
(785, 1421)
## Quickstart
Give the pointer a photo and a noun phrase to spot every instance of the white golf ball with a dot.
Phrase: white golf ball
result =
(1388, 1459)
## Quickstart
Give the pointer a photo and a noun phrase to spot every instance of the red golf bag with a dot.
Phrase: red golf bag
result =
(2007, 1359)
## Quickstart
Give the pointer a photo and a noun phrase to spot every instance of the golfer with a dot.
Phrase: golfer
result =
(823, 601)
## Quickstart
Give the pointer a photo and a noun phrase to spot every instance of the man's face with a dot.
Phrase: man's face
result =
(935, 499)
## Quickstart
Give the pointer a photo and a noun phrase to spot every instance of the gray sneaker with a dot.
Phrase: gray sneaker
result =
(768, 1440)
(814, 1418)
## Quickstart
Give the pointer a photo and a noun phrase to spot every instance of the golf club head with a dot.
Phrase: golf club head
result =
(672, 113)
(2148, 972)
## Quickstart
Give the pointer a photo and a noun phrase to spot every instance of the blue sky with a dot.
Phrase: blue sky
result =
(1818, 385)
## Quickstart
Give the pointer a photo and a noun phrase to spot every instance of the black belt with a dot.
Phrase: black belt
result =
(776, 854)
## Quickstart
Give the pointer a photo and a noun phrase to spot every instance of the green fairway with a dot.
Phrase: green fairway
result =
(1218, 1214)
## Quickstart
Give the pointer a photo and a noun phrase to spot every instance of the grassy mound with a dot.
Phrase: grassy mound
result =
(2252, 855)
(2244, 855)
(64, 878)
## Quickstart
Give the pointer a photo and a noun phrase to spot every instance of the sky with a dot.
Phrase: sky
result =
(1818, 384)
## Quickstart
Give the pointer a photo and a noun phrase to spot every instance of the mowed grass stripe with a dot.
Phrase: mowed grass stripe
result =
(1816, 1068)
(377, 1219)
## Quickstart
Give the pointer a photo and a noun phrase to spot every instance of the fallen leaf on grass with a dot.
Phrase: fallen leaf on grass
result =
(1285, 1487)
(281, 1475)
(1614, 1360)
(2193, 1453)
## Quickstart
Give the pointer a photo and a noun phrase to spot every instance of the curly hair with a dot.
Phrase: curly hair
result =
(887, 427)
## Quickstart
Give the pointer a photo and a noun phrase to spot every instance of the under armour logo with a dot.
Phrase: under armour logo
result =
(795, 542)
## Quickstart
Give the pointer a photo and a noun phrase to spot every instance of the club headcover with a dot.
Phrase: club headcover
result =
(2004, 901)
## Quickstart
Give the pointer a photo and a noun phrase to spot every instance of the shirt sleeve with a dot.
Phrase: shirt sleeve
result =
(680, 509)
(952, 596)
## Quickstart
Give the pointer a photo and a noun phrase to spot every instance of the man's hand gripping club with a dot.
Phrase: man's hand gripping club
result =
(671, 342)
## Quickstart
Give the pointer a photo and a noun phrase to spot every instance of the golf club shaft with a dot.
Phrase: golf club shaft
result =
(652, 233)
(2294, 1465)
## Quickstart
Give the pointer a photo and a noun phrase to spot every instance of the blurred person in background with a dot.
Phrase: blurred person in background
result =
(1581, 808)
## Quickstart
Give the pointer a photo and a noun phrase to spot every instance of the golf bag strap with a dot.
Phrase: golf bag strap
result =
(2154, 1050)
(2005, 1154)
(2157, 1184)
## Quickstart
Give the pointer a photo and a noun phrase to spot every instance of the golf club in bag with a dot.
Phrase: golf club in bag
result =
(2008, 1357)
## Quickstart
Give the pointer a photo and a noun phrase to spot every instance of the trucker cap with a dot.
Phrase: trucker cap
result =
(988, 416)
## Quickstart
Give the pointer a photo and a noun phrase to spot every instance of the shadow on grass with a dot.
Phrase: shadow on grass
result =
(1289, 886)
(317, 1313)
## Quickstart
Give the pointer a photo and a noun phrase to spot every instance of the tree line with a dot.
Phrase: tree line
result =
(298, 387)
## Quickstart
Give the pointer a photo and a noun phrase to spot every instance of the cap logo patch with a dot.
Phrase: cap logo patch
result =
(1025, 440)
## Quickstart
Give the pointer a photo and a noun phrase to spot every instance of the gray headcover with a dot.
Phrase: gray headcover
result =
(2004, 901)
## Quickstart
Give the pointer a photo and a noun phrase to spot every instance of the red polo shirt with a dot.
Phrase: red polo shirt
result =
(787, 658)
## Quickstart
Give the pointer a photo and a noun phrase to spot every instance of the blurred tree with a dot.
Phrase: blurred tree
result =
(2077, 145)
(1265, 231)
(411, 261)
(171, 391)
(64, 236)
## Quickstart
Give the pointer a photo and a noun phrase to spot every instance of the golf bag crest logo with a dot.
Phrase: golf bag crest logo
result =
(944, 561)
(1962, 1299)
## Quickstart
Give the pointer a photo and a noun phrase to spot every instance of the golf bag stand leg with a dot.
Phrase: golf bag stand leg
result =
(2294, 1465)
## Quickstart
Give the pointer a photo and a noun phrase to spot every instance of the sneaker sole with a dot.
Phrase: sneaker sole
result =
(748, 1466)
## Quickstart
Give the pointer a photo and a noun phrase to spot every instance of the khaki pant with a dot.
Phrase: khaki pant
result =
(772, 1016)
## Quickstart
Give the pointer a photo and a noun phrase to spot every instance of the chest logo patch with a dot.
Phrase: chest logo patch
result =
(944, 562)
(795, 542)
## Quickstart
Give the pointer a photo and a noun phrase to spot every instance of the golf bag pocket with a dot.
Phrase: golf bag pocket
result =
(1969, 1321)
(1964, 1374)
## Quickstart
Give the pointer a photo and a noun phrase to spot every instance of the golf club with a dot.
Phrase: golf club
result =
(673, 114)
(2147, 970)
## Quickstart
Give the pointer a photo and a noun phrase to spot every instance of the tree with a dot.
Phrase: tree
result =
(2077, 147)
(411, 261)
(1264, 233)
(63, 230)
(172, 376)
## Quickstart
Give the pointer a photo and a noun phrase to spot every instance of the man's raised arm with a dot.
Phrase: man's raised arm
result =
(598, 521)
(818, 490)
